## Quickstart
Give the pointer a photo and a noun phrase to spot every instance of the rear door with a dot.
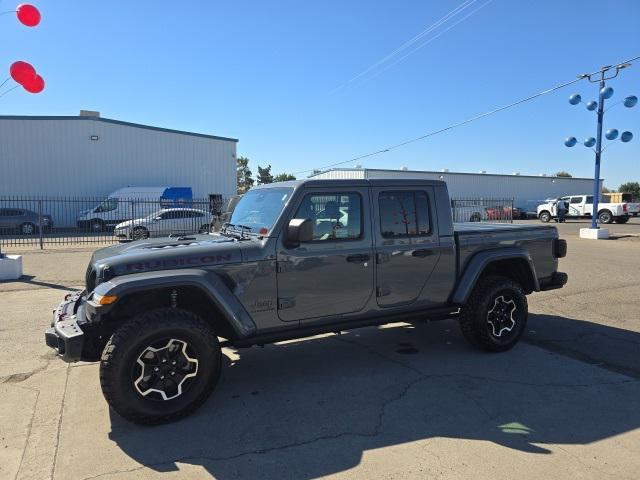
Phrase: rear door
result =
(406, 242)
(576, 206)
(333, 273)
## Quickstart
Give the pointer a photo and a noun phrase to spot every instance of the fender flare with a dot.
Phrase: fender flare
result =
(208, 282)
(479, 262)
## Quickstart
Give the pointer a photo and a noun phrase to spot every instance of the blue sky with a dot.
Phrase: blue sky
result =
(267, 73)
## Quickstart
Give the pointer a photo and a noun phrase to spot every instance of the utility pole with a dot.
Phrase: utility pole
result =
(604, 93)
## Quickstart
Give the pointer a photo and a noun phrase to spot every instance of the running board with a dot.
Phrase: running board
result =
(311, 330)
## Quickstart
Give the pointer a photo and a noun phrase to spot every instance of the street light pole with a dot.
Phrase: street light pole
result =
(611, 134)
(596, 176)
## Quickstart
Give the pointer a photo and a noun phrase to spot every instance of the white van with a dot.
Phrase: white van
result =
(133, 202)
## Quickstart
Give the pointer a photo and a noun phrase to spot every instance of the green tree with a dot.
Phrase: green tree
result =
(283, 177)
(245, 181)
(631, 187)
(605, 189)
(264, 175)
(563, 174)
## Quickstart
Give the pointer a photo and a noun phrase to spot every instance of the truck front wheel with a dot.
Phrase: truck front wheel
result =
(495, 315)
(160, 366)
(545, 217)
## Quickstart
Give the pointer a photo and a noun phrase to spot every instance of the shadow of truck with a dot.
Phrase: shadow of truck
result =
(313, 407)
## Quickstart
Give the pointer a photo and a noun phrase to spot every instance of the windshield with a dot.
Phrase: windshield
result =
(259, 209)
(154, 215)
(108, 205)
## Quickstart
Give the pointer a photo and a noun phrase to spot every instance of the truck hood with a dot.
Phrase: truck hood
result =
(194, 251)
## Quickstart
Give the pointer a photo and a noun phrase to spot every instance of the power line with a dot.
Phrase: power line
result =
(387, 67)
(408, 43)
(469, 120)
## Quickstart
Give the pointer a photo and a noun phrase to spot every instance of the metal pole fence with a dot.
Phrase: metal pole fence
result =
(499, 210)
(43, 221)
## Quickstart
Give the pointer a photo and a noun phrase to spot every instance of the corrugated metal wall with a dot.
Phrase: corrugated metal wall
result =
(526, 191)
(57, 157)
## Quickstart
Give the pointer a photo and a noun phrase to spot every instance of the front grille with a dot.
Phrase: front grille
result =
(90, 279)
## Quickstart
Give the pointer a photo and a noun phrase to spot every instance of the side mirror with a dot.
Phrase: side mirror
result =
(299, 230)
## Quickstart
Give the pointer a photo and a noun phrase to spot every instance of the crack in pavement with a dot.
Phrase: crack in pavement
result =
(59, 430)
(29, 428)
(592, 467)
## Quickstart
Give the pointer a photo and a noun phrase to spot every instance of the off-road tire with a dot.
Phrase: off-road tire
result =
(204, 228)
(622, 219)
(545, 216)
(119, 357)
(605, 216)
(473, 316)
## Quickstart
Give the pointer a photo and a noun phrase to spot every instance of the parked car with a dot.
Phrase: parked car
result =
(505, 213)
(581, 206)
(181, 221)
(296, 259)
(468, 211)
(129, 202)
(23, 221)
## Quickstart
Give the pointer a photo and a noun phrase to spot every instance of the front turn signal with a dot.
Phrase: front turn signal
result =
(105, 299)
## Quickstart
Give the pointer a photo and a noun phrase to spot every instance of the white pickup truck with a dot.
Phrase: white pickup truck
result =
(581, 206)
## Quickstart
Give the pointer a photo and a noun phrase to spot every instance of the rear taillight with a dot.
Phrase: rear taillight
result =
(559, 248)
(625, 207)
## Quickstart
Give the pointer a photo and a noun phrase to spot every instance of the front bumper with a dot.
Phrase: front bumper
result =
(65, 335)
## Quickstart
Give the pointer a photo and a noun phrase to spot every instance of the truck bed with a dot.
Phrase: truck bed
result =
(473, 237)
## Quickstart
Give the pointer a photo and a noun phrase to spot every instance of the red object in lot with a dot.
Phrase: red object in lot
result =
(36, 85)
(22, 72)
(28, 15)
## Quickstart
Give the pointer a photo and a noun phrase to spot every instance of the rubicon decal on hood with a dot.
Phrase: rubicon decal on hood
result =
(178, 262)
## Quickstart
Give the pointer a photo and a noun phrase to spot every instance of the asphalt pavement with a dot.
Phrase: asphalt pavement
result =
(399, 401)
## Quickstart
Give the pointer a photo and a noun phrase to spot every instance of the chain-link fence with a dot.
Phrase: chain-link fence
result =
(484, 210)
(42, 221)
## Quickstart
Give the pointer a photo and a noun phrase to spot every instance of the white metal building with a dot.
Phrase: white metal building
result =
(93, 156)
(527, 191)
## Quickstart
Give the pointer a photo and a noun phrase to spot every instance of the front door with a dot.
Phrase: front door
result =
(333, 273)
(407, 245)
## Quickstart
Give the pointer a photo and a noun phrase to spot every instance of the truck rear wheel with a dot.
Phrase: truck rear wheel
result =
(160, 366)
(495, 315)
(605, 216)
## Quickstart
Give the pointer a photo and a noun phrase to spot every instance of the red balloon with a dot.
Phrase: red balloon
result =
(35, 85)
(22, 72)
(28, 14)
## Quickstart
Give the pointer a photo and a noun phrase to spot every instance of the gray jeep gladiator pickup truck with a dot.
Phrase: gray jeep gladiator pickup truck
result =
(295, 259)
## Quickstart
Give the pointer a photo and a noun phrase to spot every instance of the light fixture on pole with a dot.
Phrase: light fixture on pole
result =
(605, 93)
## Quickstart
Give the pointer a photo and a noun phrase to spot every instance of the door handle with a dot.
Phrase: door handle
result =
(360, 258)
(421, 253)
